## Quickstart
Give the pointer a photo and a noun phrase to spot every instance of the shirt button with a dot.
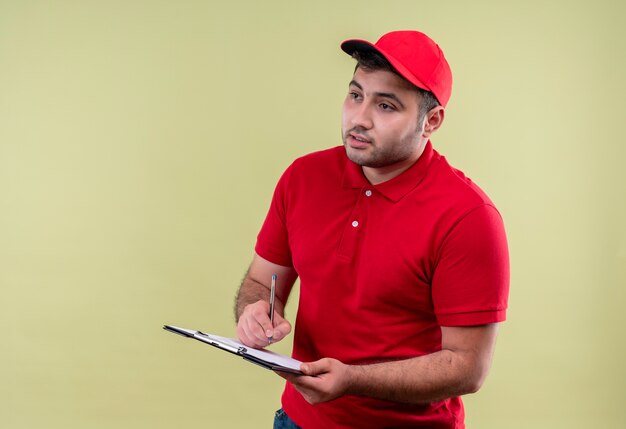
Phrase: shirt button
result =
(368, 193)
(355, 223)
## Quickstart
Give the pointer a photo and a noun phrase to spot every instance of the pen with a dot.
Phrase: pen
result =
(272, 299)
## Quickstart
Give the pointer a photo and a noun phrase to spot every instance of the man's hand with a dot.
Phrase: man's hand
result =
(323, 380)
(252, 303)
(254, 326)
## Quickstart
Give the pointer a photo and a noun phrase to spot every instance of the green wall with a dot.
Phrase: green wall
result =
(139, 145)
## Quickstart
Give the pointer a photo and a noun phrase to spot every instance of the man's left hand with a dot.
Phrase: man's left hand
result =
(322, 380)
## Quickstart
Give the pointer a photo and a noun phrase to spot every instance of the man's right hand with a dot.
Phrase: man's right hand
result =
(252, 307)
(254, 326)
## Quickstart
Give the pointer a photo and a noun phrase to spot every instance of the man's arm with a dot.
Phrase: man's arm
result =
(459, 368)
(252, 303)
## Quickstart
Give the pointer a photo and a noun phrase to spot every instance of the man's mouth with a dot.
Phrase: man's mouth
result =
(358, 140)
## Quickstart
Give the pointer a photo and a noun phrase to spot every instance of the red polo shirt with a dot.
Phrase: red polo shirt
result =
(381, 269)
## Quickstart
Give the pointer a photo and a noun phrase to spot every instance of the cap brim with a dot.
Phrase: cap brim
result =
(353, 45)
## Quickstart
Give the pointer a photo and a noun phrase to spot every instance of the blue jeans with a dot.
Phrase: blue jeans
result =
(282, 421)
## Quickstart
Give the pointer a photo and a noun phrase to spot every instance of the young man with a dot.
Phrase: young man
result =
(402, 260)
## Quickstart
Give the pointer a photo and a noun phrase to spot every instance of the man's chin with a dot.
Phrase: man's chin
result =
(358, 156)
(361, 159)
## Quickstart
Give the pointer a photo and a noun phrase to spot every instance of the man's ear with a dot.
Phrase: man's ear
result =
(433, 121)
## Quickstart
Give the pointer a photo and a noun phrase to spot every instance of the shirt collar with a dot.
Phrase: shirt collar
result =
(396, 188)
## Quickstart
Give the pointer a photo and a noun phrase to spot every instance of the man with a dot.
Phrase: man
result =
(402, 260)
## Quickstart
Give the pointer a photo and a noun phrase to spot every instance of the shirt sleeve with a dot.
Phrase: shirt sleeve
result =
(471, 280)
(273, 238)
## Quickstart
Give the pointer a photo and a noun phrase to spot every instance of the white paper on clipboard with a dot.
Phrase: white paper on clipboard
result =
(264, 358)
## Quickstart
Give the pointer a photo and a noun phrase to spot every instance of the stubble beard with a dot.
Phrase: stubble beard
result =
(377, 156)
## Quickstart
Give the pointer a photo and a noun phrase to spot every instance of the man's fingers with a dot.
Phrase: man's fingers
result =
(257, 330)
(263, 326)
(315, 368)
(282, 328)
(255, 327)
(249, 329)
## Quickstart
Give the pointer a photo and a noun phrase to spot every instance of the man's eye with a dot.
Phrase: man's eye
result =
(386, 106)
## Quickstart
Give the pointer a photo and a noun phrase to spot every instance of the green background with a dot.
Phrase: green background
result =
(140, 142)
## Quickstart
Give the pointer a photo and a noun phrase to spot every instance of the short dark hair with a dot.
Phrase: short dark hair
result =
(372, 61)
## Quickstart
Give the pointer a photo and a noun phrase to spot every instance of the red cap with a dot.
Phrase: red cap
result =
(415, 56)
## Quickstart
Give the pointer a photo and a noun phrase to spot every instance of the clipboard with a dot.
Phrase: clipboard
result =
(265, 358)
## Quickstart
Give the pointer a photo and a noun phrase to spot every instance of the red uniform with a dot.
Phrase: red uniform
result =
(381, 269)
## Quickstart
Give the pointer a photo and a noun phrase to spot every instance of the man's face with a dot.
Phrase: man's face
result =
(380, 122)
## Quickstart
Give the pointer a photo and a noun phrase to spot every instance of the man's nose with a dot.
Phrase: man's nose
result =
(362, 116)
